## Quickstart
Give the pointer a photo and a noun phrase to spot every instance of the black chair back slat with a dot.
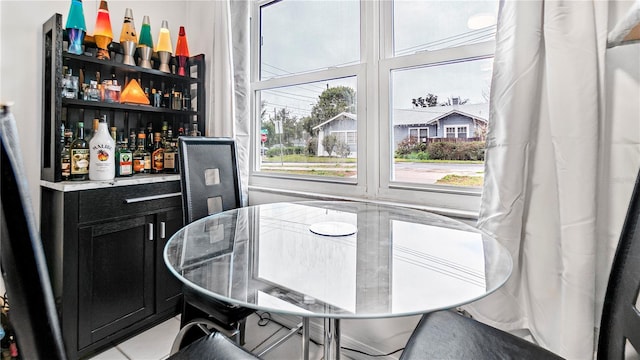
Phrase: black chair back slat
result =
(620, 314)
(197, 155)
(32, 312)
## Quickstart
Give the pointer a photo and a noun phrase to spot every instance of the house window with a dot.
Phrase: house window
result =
(461, 132)
(372, 74)
(420, 134)
(456, 132)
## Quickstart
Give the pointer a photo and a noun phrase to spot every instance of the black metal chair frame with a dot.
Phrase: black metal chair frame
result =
(197, 154)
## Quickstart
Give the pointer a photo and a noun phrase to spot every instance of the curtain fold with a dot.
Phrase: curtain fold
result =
(541, 171)
(229, 82)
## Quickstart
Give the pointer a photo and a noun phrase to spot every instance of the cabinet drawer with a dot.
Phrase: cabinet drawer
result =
(114, 202)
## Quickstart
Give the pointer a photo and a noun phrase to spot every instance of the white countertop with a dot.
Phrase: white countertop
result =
(66, 186)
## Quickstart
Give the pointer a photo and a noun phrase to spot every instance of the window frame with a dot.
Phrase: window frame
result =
(418, 130)
(374, 127)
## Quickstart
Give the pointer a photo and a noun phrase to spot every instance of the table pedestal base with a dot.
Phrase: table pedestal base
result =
(331, 339)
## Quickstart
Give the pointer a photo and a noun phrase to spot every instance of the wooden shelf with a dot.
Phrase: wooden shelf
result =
(123, 107)
(79, 60)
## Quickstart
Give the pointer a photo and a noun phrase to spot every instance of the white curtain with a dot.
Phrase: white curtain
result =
(543, 180)
(229, 113)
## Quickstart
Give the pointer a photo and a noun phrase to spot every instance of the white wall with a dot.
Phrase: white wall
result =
(21, 58)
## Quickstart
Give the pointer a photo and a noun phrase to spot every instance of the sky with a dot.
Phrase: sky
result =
(299, 36)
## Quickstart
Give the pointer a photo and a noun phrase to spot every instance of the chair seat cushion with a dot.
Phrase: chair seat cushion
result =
(214, 346)
(447, 335)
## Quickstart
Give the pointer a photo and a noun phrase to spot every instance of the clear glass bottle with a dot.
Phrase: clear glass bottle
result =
(79, 151)
(102, 150)
(157, 156)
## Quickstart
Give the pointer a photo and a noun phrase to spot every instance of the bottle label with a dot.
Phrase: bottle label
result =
(125, 164)
(79, 161)
(138, 165)
(66, 168)
(169, 160)
(147, 162)
(158, 159)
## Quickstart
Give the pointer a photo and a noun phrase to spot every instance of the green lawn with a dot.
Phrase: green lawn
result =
(459, 180)
(309, 159)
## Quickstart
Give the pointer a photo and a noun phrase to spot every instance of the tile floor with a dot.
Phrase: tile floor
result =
(155, 343)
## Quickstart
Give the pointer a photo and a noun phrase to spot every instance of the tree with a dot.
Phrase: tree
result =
(342, 149)
(291, 129)
(330, 103)
(329, 143)
(430, 100)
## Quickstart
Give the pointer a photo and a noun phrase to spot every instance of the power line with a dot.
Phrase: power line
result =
(488, 31)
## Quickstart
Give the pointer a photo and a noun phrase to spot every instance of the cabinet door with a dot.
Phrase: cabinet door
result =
(168, 288)
(115, 276)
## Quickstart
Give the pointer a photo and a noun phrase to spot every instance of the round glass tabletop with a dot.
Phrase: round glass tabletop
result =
(337, 259)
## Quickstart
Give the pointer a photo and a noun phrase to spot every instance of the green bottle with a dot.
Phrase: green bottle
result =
(124, 158)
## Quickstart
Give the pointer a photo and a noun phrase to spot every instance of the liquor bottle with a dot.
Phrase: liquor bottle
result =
(89, 134)
(170, 154)
(140, 156)
(102, 149)
(186, 100)
(149, 141)
(157, 156)
(124, 158)
(79, 151)
(163, 133)
(132, 140)
(114, 132)
(65, 155)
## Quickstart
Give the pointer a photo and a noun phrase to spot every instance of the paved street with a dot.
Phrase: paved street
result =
(429, 173)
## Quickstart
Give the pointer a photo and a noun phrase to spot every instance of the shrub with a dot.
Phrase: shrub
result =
(473, 150)
(420, 155)
(410, 145)
(312, 146)
(288, 150)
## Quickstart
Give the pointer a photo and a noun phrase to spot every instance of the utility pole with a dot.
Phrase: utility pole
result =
(278, 126)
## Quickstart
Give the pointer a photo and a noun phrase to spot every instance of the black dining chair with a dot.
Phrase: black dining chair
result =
(33, 312)
(447, 335)
(210, 184)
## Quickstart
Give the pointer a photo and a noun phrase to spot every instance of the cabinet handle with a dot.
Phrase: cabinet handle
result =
(162, 230)
(151, 231)
(152, 197)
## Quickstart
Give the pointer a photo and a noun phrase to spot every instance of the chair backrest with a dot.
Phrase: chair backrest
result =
(33, 312)
(209, 176)
(620, 314)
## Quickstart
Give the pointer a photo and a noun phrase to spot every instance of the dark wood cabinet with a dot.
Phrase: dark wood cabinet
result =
(115, 276)
(104, 248)
(168, 288)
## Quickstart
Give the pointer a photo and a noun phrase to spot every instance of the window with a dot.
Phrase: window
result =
(461, 132)
(456, 132)
(420, 134)
(361, 98)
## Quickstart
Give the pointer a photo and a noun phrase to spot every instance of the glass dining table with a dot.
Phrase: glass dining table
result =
(337, 260)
